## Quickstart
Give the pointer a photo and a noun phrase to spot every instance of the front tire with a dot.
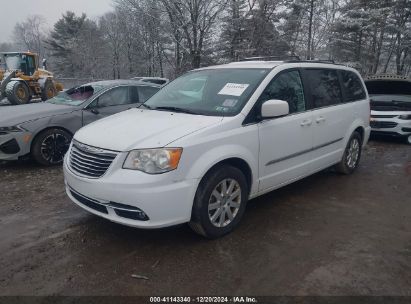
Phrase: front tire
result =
(49, 91)
(408, 140)
(352, 155)
(220, 202)
(18, 92)
(50, 146)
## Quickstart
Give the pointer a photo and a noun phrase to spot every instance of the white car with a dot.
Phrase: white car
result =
(390, 105)
(197, 158)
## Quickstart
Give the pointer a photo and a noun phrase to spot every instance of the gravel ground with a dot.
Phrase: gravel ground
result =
(325, 235)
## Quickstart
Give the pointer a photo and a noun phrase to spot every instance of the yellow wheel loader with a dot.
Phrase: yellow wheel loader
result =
(21, 79)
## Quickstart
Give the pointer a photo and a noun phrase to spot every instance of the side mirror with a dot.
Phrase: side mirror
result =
(274, 108)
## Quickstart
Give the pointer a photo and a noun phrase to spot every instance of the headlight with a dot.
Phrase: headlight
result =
(406, 117)
(153, 161)
(11, 129)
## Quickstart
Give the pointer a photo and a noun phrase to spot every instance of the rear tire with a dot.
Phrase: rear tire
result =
(49, 91)
(18, 92)
(50, 146)
(220, 202)
(352, 155)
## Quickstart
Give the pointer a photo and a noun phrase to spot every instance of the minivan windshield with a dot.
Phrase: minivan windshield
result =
(213, 92)
(77, 95)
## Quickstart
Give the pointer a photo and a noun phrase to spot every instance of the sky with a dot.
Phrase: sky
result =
(12, 11)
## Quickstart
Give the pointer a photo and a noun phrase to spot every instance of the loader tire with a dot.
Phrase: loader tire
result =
(18, 92)
(49, 91)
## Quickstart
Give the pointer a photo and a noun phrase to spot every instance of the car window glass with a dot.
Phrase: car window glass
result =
(325, 87)
(114, 97)
(288, 87)
(134, 98)
(215, 92)
(145, 92)
(352, 85)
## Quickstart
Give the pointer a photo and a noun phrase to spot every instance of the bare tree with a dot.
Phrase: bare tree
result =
(30, 34)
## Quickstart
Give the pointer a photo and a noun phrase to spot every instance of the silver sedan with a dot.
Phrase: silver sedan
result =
(44, 130)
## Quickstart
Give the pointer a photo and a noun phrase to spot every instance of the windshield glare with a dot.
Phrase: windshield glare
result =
(12, 62)
(219, 92)
(76, 96)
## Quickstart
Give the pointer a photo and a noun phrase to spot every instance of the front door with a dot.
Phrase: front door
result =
(111, 102)
(285, 142)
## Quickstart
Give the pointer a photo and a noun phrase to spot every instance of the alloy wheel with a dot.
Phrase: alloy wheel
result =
(224, 203)
(54, 147)
(353, 153)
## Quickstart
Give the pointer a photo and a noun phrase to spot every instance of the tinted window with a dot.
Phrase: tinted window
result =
(288, 87)
(114, 97)
(352, 85)
(325, 87)
(146, 92)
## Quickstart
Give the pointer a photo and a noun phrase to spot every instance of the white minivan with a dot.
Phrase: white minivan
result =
(216, 137)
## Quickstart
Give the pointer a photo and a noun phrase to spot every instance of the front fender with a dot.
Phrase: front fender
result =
(208, 159)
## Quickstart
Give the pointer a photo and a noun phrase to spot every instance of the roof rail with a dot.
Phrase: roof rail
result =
(271, 58)
(315, 61)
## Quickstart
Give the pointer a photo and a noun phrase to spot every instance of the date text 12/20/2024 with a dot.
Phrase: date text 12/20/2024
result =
(203, 300)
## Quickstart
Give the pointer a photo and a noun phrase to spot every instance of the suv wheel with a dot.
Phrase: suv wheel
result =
(50, 146)
(352, 155)
(220, 202)
(409, 139)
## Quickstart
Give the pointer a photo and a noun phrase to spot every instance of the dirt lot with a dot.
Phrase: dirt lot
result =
(325, 235)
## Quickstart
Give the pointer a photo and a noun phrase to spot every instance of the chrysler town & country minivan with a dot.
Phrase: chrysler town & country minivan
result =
(216, 137)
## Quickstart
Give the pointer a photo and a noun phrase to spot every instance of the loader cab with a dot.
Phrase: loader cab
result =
(25, 62)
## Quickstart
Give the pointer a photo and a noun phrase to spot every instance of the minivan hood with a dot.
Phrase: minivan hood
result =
(14, 115)
(142, 129)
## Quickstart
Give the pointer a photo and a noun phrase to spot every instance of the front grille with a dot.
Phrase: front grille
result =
(383, 116)
(383, 124)
(89, 161)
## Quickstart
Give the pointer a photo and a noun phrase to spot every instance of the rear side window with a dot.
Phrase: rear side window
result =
(352, 86)
(325, 87)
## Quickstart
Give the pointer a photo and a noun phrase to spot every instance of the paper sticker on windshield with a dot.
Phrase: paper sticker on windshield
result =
(233, 89)
(230, 103)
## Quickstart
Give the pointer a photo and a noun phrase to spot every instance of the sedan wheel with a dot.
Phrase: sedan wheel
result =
(50, 146)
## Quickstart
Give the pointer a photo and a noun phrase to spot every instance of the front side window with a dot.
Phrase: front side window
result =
(325, 87)
(288, 87)
(114, 97)
(352, 85)
(219, 92)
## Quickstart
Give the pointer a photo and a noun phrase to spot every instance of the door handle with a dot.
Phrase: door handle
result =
(320, 119)
(306, 122)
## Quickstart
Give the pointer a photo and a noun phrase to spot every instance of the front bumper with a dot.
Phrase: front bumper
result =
(382, 123)
(165, 201)
(14, 145)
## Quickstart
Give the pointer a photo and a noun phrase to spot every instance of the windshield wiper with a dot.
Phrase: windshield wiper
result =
(146, 106)
(176, 109)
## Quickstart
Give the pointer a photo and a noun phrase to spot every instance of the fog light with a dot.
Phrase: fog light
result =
(133, 215)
